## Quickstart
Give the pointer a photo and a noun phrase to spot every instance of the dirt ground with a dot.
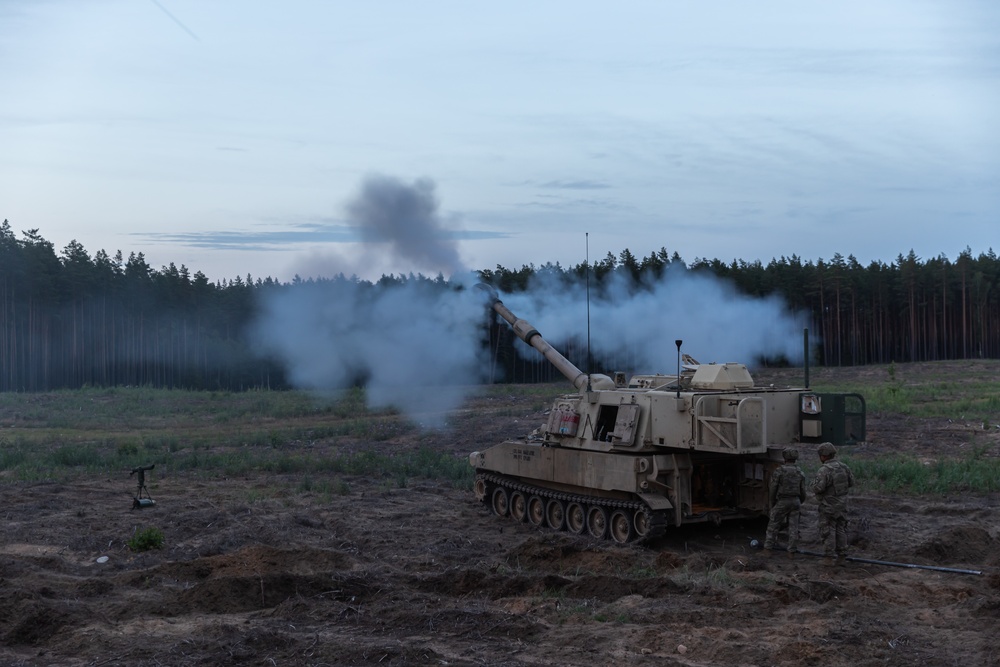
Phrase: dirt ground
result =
(254, 571)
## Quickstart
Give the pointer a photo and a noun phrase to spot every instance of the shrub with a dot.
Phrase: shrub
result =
(146, 539)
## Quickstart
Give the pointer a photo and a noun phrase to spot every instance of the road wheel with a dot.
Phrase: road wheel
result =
(501, 502)
(518, 506)
(536, 511)
(576, 518)
(597, 522)
(642, 523)
(621, 527)
(555, 514)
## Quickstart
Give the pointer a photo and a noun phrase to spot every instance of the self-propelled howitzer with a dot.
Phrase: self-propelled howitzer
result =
(627, 459)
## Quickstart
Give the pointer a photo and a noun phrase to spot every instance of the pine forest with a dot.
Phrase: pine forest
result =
(70, 320)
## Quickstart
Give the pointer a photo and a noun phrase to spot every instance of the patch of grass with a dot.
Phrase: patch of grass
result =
(166, 420)
(422, 463)
(620, 618)
(712, 579)
(966, 390)
(12, 454)
(323, 487)
(635, 571)
(550, 593)
(146, 539)
(171, 413)
(973, 399)
(720, 578)
(643, 572)
(975, 473)
(255, 496)
(73, 456)
(61, 434)
(971, 403)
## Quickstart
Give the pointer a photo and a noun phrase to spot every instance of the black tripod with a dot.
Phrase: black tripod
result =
(138, 501)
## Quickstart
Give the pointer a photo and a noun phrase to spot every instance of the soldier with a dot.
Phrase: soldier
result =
(830, 486)
(787, 492)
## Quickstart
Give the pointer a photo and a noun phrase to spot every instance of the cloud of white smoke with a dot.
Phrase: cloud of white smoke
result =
(418, 345)
(414, 345)
(638, 324)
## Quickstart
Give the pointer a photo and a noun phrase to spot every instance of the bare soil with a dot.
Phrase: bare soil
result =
(255, 571)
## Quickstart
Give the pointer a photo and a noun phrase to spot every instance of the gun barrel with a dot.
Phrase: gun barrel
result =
(530, 335)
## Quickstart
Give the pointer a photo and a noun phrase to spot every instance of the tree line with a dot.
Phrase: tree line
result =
(69, 319)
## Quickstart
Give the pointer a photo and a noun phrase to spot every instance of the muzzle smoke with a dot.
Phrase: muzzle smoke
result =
(636, 324)
(416, 344)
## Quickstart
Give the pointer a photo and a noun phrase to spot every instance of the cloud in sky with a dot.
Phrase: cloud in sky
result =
(295, 234)
(574, 185)
(216, 131)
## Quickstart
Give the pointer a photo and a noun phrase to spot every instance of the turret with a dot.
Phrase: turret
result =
(526, 332)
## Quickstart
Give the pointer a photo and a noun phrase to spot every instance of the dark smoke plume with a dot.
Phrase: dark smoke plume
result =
(404, 220)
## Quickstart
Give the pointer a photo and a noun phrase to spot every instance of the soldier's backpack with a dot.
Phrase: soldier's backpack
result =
(788, 485)
(841, 482)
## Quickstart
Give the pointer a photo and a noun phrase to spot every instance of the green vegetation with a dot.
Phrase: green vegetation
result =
(905, 474)
(323, 441)
(973, 473)
(713, 579)
(963, 391)
(58, 435)
(146, 539)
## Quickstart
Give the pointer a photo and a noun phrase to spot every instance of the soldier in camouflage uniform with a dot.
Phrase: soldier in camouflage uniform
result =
(787, 492)
(830, 486)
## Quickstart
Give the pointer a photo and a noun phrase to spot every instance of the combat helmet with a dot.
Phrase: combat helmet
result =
(827, 449)
(790, 454)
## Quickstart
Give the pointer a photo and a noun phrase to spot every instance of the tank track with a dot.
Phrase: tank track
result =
(655, 521)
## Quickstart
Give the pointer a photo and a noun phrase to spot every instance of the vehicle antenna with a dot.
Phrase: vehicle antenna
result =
(590, 359)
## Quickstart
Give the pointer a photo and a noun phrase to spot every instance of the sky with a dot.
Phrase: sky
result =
(314, 138)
